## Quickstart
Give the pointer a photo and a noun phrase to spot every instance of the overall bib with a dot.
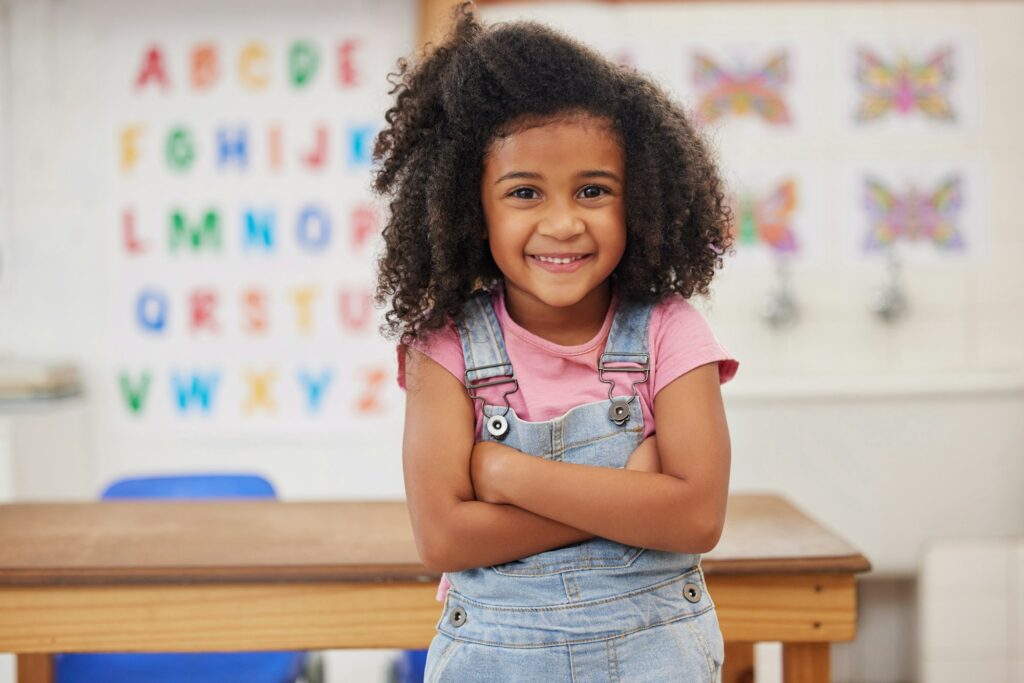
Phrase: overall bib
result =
(592, 611)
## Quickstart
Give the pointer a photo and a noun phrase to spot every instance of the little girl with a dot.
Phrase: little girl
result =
(550, 215)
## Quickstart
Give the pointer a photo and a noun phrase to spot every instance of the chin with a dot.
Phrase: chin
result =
(563, 300)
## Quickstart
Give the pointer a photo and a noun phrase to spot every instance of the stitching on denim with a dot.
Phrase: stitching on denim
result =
(608, 660)
(574, 578)
(599, 601)
(595, 439)
(615, 655)
(584, 641)
(445, 658)
(703, 646)
(565, 587)
(551, 568)
(572, 665)
(558, 439)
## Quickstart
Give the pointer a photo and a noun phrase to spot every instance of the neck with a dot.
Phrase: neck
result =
(563, 325)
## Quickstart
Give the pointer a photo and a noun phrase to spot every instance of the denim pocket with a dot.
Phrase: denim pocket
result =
(438, 656)
(702, 634)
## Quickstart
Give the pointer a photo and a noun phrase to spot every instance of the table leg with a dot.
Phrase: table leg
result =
(35, 668)
(739, 663)
(806, 663)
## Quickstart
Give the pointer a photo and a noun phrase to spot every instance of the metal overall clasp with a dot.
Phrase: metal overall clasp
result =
(618, 412)
(497, 425)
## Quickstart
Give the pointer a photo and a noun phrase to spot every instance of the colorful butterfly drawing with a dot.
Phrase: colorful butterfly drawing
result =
(904, 86)
(767, 219)
(913, 215)
(741, 92)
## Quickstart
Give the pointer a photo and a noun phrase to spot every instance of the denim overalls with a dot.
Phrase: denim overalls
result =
(592, 611)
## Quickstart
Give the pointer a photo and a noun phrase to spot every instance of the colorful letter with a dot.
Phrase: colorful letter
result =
(204, 301)
(259, 392)
(320, 240)
(134, 396)
(275, 146)
(129, 148)
(369, 401)
(152, 69)
(204, 66)
(208, 232)
(317, 156)
(303, 60)
(365, 223)
(259, 229)
(151, 310)
(361, 148)
(254, 304)
(253, 54)
(194, 389)
(347, 75)
(315, 387)
(358, 320)
(236, 148)
(131, 243)
(303, 302)
(180, 150)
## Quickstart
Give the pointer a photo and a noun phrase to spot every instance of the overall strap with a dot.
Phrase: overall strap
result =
(483, 347)
(487, 363)
(627, 349)
(627, 340)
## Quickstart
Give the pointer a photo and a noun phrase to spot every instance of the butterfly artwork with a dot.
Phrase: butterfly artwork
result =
(766, 219)
(914, 215)
(742, 92)
(904, 86)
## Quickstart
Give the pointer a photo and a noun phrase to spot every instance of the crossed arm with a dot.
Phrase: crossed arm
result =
(495, 504)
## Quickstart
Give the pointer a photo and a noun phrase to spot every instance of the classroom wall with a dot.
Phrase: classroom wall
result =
(890, 434)
(59, 286)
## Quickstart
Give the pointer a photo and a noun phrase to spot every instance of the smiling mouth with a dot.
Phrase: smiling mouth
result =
(559, 260)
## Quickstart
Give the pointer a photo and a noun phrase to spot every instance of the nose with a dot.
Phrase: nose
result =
(561, 222)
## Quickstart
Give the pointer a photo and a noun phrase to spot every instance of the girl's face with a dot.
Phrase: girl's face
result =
(555, 191)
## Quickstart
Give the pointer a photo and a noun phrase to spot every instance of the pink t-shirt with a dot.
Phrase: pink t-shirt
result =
(554, 378)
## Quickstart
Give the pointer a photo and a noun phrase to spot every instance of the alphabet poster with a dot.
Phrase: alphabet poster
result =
(242, 230)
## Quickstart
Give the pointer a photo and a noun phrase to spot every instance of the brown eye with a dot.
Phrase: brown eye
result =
(531, 193)
(593, 191)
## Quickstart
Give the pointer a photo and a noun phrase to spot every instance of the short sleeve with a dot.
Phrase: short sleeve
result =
(442, 346)
(682, 340)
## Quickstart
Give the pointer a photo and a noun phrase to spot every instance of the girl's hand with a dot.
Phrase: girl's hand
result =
(485, 466)
(645, 457)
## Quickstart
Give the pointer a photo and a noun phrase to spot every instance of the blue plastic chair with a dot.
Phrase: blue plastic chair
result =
(226, 667)
(408, 667)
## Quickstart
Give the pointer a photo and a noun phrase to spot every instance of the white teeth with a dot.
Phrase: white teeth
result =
(547, 259)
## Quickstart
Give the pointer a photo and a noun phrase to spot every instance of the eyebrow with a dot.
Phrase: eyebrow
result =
(596, 173)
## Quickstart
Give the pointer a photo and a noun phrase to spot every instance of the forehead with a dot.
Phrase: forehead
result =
(582, 141)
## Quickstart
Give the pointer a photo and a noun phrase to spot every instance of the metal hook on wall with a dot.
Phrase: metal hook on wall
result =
(889, 302)
(780, 308)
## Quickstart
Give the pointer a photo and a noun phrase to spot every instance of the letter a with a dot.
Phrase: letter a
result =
(152, 69)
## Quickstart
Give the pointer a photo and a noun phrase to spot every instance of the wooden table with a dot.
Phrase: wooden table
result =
(178, 576)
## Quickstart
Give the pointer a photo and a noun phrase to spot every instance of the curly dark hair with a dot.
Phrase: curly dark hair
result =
(486, 82)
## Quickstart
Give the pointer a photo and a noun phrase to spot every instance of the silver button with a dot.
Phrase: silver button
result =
(618, 412)
(457, 617)
(691, 591)
(497, 426)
